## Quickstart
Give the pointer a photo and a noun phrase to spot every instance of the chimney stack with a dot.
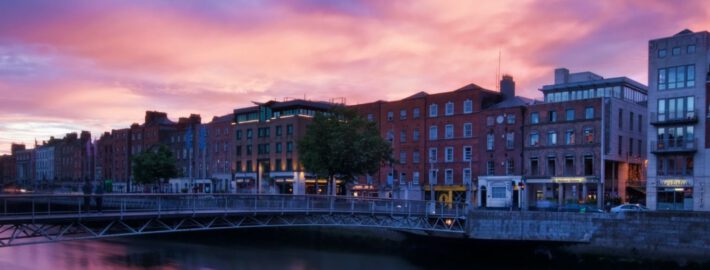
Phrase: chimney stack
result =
(507, 87)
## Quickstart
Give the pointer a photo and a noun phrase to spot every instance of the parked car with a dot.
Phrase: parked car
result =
(629, 208)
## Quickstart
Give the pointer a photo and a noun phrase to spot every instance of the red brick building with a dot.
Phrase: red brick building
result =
(433, 139)
(266, 160)
(220, 151)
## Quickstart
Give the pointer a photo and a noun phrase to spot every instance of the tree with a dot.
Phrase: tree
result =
(154, 165)
(342, 143)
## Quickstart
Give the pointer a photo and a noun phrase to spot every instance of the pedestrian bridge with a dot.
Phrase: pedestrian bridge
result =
(40, 218)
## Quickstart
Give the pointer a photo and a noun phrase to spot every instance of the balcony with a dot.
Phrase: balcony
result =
(675, 117)
(672, 146)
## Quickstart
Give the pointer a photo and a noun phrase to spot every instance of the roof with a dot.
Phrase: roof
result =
(684, 32)
(223, 118)
(421, 94)
(516, 101)
(608, 81)
(296, 103)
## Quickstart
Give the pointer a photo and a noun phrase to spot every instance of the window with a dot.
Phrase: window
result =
(402, 114)
(498, 192)
(569, 165)
(449, 108)
(239, 150)
(433, 110)
(631, 147)
(279, 130)
(640, 123)
(415, 178)
(621, 118)
(390, 115)
(589, 113)
(250, 168)
(675, 51)
(239, 134)
(511, 119)
(490, 167)
(449, 131)
(449, 154)
(277, 165)
(619, 147)
(467, 176)
(534, 139)
(551, 138)
(640, 145)
(278, 147)
(569, 115)
(370, 117)
(402, 136)
(509, 167)
(289, 129)
(534, 118)
(551, 169)
(449, 177)
(489, 141)
(415, 157)
(489, 121)
(467, 130)
(552, 116)
(415, 135)
(390, 136)
(569, 137)
(467, 106)
(467, 152)
(691, 49)
(250, 134)
(676, 77)
(676, 108)
(433, 133)
(662, 53)
(289, 164)
(588, 134)
(509, 140)
(433, 176)
(249, 148)
(534, 167)
(402, 157)
(588, 165)
(289, 147)
(415, 113)
(432, 154)
(631, 121)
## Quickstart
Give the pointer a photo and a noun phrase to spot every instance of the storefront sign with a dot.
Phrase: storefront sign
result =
(675, 183)
(572, 180)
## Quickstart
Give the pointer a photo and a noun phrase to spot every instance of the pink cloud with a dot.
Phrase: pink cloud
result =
(96, 66)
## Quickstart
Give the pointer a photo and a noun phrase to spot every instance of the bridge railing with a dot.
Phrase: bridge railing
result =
(53, 205)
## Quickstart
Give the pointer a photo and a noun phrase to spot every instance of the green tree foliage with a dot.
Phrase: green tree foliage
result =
(343, 144)
(154, 165)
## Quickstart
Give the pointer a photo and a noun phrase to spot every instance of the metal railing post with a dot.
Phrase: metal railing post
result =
(49, 206)
(33, 209)
(123, 205)
(352, 206)
(308, 199)
(160, 205)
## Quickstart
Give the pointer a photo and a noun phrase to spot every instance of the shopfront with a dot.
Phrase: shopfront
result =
(500, 191)
(674, 194)
(557, 192)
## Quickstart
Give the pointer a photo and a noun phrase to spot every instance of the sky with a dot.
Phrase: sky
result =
(67, 66)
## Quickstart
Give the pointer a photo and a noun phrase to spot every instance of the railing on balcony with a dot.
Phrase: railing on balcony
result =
(674, 117)
(678, 145)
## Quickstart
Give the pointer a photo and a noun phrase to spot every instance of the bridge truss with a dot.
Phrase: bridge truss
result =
(30, 219)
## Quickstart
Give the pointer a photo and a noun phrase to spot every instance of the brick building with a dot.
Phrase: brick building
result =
(220, 151)
(7, 170)
(265, 156)
(432, 136)
(564, 136)
(73, 159)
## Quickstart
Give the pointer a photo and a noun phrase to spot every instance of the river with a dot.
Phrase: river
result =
(300, 249)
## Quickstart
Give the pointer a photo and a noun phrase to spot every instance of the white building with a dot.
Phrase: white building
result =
(677, 136)
(44, 164)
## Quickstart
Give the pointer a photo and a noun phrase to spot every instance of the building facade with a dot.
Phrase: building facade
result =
(265, 154)
(44, 166)
(585, 142)
(433, 137)
(678, 131)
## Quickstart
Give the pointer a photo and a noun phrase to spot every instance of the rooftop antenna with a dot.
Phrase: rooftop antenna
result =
(498, 73)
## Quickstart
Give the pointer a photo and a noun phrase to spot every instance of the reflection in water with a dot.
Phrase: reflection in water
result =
(142, 253)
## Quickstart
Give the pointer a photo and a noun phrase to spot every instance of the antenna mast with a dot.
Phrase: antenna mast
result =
(498, 73)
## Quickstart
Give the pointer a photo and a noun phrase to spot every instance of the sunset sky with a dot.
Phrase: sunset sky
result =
(96, 65)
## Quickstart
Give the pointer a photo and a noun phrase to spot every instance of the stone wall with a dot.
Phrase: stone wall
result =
(644, 234)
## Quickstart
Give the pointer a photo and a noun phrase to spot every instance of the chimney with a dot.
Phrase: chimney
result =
(507, 87)
(561, 76)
